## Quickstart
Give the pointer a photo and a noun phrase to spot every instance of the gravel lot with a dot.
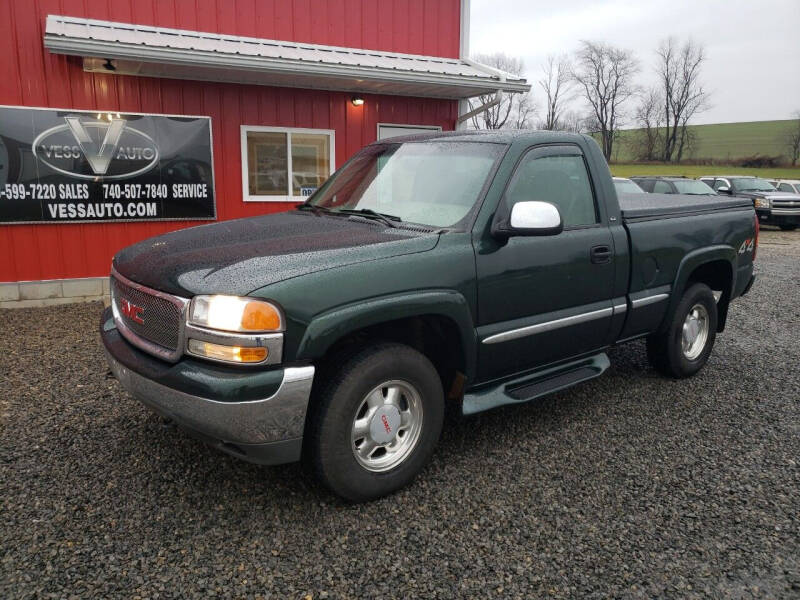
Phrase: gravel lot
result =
(627, 486)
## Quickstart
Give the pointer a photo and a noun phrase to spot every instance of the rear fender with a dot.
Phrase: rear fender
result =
(688, 265)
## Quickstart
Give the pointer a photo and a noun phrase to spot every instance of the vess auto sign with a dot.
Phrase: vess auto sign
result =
(75, 166)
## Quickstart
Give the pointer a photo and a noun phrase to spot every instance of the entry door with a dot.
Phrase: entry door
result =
(546, 298)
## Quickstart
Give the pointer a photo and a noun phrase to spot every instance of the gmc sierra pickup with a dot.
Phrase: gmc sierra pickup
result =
(479, 269)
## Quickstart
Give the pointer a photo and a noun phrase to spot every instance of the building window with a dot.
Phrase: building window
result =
(390, 130)
(283, 164)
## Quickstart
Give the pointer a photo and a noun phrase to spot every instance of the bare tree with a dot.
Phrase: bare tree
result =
(556, 82)
(792, 139)
(574, 122)
(604, 76)
(514, 110)
(523, 115)
(688, 143)
(683, 95)
(646, 142)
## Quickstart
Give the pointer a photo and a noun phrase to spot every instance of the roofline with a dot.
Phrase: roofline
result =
(163, 55)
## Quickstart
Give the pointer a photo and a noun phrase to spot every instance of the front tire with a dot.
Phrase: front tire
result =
(375, 422)
(683, 349)
(787, 227)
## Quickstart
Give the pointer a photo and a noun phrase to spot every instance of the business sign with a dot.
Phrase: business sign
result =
(76, 166)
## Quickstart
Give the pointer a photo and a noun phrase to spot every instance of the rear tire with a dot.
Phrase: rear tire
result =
(683, 349)
(787, 227)
(375, 422)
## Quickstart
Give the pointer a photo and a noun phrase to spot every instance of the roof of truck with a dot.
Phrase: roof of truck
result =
(498, 136)
(728, 176)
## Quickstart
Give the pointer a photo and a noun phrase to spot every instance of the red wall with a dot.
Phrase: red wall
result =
(32, 76)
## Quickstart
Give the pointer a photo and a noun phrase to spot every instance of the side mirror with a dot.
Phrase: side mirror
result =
(723, 189)
(530, 218)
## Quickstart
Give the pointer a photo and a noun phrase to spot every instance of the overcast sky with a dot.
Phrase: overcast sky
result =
(753, 46)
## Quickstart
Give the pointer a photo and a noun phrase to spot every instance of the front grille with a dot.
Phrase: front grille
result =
(786, 203)
(161, 319)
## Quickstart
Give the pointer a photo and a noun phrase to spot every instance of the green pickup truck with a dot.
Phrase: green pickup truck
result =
(473, 268)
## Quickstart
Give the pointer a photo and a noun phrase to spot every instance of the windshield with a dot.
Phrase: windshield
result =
(626, 186)
(693, 187)
(751, 184)
(432, 183)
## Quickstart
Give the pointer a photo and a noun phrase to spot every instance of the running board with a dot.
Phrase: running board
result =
(537, 385)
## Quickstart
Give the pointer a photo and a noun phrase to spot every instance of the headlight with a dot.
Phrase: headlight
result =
(762, 202)
(231, 313)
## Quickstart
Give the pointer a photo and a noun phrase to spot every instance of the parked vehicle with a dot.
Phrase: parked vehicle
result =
(786, 185)
(660, 184)
(479, 269)
(773, 207)
(626, 186)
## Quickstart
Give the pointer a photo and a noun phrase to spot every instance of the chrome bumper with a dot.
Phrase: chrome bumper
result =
(267, 431)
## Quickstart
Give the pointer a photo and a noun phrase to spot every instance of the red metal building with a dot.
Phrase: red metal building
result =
(219, 59)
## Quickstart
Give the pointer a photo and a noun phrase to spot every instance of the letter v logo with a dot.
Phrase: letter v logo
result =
(98, 155)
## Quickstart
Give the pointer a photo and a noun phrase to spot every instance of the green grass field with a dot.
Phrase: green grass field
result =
(627, 170)
(725, 141)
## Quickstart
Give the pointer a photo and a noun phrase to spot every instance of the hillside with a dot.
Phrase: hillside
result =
(725, 141)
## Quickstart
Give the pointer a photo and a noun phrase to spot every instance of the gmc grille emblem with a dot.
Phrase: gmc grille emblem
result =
(131, 311)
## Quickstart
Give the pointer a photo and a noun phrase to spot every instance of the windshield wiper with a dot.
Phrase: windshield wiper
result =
(368, 213)
(312, 207)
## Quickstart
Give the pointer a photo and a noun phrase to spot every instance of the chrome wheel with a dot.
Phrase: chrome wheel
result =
(695, 332)
(386, 426)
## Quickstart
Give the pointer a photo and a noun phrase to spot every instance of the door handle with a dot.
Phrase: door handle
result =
(600, 254)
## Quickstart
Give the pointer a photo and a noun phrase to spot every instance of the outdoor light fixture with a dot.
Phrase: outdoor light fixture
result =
(109, 65)
(357, 100)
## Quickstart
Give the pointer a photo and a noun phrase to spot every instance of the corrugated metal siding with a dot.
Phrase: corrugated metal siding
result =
(31, 76)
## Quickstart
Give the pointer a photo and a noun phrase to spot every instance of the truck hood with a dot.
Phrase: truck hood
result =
(241, 256)
(770, 195)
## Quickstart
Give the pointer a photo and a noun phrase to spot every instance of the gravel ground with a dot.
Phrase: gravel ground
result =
(627, 486)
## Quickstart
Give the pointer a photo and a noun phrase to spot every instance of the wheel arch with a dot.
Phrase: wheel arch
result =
(716, 267)
(436, 322)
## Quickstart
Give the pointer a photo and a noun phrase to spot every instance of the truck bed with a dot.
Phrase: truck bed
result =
(649, 206)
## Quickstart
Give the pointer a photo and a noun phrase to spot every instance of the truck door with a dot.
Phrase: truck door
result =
(546, 298)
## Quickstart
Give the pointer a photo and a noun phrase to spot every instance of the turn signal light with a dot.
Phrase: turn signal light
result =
(236, 354)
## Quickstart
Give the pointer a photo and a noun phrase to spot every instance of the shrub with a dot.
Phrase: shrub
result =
(759, 162)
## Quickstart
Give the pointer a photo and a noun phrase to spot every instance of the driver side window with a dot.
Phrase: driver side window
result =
(560, 180)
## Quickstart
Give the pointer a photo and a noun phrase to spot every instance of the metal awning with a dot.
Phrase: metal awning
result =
(183, 54)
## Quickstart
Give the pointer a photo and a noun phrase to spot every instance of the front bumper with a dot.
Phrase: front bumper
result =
(779, 216)
(265, 430)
